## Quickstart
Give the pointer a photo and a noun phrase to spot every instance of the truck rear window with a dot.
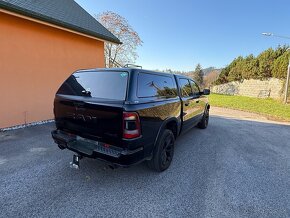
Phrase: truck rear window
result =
(96, 84)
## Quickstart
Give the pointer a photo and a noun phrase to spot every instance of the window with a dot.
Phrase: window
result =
(107, 84)
(150, 85)
(195, 88)
(185, 87)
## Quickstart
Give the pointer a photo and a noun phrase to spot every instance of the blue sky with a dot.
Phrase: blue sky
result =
(180, 34)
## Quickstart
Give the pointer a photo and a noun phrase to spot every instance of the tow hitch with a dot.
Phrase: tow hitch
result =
(75, 164)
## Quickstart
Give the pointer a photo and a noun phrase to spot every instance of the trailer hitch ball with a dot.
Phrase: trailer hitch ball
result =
(75, 164)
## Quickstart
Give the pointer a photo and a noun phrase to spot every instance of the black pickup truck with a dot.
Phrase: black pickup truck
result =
(125, 116)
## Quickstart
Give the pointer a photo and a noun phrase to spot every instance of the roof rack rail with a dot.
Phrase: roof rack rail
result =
(132, 65)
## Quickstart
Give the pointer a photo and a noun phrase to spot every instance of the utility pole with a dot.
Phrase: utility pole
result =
(287, 83)
(288, 71)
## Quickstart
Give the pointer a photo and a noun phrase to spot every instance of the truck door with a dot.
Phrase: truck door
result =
(199, 103)
(189, 107)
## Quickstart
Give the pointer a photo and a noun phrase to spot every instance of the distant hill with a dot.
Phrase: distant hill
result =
(208, 70)
(210, 75)
(205, 71)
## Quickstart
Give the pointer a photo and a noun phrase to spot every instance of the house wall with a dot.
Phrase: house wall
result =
(34, 60)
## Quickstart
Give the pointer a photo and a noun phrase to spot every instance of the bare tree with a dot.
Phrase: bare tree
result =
(119, 55)
(210, 78)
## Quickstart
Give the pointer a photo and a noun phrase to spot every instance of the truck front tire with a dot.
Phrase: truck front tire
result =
(163, 152)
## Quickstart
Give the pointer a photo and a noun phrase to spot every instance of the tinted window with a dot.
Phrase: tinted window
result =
(150, 85)
(185, 88)
(194, 87)
(108, 85)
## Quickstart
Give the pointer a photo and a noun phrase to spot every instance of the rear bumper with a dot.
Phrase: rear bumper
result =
(98, 150)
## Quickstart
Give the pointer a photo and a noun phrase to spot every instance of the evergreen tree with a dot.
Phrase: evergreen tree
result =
(223, 77)
(236, 69)
(251, 67)
(269, 63)
(280, 66)
(266, 60)
(198, 75)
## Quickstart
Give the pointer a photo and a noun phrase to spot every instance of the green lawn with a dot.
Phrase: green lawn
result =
(268, 107)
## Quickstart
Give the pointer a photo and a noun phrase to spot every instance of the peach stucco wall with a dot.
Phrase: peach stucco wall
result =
(34, 60)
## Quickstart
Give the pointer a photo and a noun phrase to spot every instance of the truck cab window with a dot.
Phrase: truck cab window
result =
(195, 89)
(150, 85)
(185, 88)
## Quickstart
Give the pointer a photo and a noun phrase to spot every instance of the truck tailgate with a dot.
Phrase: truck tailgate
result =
(90, 118)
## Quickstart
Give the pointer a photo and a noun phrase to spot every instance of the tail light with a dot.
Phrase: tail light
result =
(131, 125)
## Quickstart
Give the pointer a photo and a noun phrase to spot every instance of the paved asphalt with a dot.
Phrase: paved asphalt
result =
(235, 168)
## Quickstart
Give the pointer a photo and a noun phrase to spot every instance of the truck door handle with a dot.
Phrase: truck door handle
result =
(186, 103)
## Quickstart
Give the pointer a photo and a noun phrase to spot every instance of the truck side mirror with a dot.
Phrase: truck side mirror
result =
(206, 92)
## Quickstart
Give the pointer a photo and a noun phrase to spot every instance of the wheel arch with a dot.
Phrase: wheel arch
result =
(172, 124)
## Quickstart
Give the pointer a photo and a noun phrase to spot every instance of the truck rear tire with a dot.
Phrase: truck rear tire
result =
(163, 152)
(204, 121)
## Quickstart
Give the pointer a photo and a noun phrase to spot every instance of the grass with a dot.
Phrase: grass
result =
(268, 107)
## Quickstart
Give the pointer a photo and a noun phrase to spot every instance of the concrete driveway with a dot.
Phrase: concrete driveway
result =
(235, 168)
